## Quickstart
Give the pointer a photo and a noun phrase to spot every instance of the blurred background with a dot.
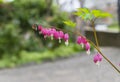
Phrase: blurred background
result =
(19, 44)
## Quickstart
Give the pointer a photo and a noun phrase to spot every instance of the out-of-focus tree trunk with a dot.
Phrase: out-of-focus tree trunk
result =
(82, 3)
(60, 6)
(49, 4)
(80, 23)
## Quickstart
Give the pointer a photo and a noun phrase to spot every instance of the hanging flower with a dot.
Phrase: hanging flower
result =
(87, 47)
(66, 37)
(97, 58)
(44, 31)
(52, 32)
(60, 36)
(56, 35)
(84, 41)
(81, 40)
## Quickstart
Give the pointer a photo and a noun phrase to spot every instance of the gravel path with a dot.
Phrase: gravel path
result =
(79, 68)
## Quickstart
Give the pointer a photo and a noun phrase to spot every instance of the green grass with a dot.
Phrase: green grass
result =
(38, 57)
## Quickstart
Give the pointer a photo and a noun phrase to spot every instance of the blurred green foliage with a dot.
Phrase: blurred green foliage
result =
(24, 12)
(16, 19)
(58, 20)
(15, 26)
(9, 41)
(70, 23)
(38, 57)
(18, 42)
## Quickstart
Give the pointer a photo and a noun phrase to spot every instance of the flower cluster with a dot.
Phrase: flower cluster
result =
(83, 42)
(59, 35)
(53, 33)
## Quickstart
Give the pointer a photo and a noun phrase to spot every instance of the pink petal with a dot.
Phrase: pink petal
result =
(79, 41)
(40, 27)
(97, 58)
(66, 36)
(87, 46)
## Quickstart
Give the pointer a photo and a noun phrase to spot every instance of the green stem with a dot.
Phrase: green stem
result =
(95, 34)
(97, 48)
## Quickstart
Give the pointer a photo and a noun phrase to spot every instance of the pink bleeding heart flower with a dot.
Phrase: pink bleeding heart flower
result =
(56, 35)
(97, 58)
(84, 41)
(66, 37)
(44, 31)
(79, 41)
(48, 32)
(40, 27)
(52, 32)
(60, 36)
(87, 47)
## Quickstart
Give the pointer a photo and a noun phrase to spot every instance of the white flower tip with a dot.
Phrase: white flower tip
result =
(66, 43)
(98, 63)
(59, 40)
(51, 37)
(45, 36)
(88, 52)
(82, 45)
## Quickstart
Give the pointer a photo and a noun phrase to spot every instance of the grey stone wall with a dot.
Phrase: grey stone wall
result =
(105, 38)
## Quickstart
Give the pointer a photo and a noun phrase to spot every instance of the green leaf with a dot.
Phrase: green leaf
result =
(105, 14)
(96, 13)
(84, 10)
(100, 14)
(70, 23)
(86, 14)
(81, 11)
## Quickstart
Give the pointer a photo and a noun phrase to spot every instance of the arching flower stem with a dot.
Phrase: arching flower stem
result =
(95, 46)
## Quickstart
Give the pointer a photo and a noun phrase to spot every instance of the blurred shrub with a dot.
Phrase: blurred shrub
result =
(31, 43)
(10, 40)
(28, 12)
(24, 12)
(26, 57)
(58, 20)
(16, 35)
(60, 52)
